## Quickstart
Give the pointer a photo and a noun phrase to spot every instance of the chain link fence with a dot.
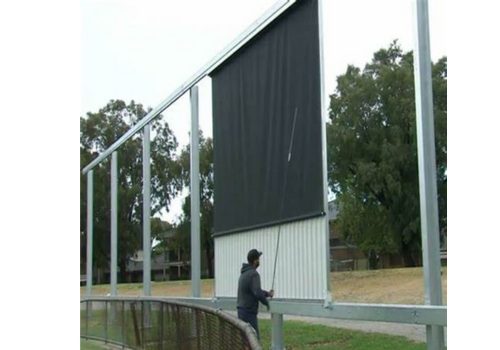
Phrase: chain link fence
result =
(159, 324)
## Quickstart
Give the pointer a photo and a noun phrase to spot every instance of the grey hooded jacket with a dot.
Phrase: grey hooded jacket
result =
(249, 291)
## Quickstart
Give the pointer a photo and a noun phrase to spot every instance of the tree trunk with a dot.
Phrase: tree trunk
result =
(208, 255)
(372, 260)
(99, 275)
(408, 258)
(123, 270)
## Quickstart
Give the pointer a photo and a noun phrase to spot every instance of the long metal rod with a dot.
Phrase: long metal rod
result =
(427, 169)
(282, 204)
(277, 320)
(146, 210)
(242, 39)
(195, 196)
(90, 230)
(114, 222)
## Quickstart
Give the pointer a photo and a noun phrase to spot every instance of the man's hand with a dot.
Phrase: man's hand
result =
(271, 293)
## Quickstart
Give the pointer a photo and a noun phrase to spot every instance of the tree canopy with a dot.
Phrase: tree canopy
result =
(206, 203)
(100, 130)
(372, 153)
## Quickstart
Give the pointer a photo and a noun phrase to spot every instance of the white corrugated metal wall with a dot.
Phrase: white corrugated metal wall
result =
(302, 266)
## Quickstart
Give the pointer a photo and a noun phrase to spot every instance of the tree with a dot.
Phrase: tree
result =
(206, 203)
(98, 131)
(372, 153)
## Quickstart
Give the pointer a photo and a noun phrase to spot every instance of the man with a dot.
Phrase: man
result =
(249, 291)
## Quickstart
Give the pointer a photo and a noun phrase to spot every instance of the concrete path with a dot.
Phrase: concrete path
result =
(410, 331)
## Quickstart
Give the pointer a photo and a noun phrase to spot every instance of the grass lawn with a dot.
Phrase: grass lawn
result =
(91, 345)
(301, 335)
(389, 286)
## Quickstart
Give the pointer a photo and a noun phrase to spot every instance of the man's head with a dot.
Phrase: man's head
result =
(253, 257)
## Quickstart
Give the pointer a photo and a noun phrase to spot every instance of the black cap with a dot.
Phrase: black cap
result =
(253, 255)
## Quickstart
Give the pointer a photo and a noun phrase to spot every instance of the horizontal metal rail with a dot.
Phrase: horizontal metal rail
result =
(105, 340)
(255, 28)
(236, 324)
(411, 314)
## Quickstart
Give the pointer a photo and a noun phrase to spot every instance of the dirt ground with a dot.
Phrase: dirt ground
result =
(389, 286)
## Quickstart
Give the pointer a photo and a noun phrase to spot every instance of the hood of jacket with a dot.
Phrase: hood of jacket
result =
(246, 267)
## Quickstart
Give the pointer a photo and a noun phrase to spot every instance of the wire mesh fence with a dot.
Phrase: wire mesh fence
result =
(161, 324)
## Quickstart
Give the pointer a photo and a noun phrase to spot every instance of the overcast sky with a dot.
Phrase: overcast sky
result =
(144, 50)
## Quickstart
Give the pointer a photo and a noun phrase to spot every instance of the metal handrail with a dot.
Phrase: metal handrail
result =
(250, 336)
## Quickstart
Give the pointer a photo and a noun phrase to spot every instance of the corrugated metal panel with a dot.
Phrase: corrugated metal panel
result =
(301, 269)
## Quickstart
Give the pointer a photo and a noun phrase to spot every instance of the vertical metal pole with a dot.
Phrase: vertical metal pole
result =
(143, 330)
(123, 323)
(90, 229)
(146, 218)
(324, 116)
(427, 170)
(162, 341)
(277, 332)
(87, 318)
(195, 195)
(106, 322)
(114, 221)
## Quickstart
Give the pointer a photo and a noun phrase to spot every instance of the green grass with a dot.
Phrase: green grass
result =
(301, 335)
(91, 345)
(298, 335)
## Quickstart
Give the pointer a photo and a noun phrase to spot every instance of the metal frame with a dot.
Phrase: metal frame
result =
(324, 113)
(432, 314)
(90, 230)
(114, 222)
(244, 327)
(427, 169)
(277, 334)
(146, 211)
(409, 314)
(195, 195)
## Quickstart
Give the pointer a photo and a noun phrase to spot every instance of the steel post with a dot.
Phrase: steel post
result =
(146, 216)
(106, 322)
(114, 222)
(162, 330)
(123, 322)
(427, 169)
(277, 338)
(324, 116)
(195, 195)
(87, 318)
(90, 230)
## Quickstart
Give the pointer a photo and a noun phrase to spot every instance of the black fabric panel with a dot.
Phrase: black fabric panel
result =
(256, 94)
